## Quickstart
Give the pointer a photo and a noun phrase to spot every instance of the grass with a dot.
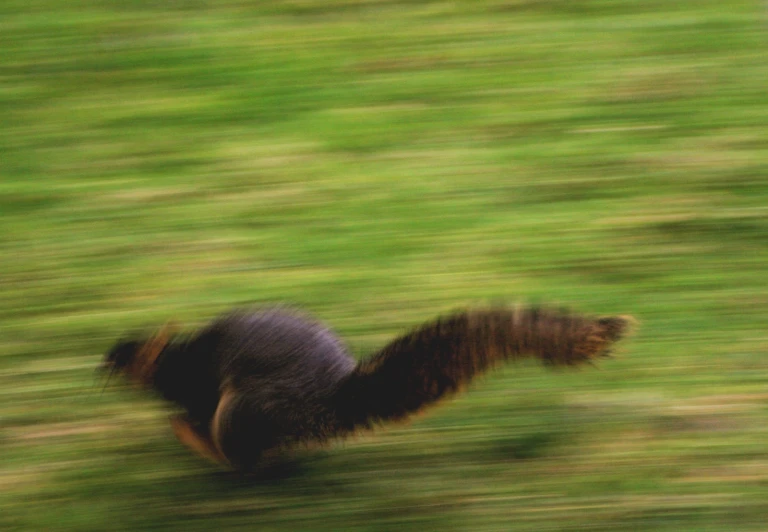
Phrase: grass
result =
(377, 163)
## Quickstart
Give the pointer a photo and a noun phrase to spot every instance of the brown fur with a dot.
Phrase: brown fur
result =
(142, 367)
(255, 382)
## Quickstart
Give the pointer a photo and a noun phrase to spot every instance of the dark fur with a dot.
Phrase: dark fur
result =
(289, 380)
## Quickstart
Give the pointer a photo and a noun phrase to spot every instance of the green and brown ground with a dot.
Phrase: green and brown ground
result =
(377, 163)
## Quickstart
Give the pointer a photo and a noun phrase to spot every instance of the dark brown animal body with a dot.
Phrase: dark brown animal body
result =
(255, 382)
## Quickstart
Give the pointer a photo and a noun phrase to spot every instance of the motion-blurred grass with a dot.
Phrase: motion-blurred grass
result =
(376, 163)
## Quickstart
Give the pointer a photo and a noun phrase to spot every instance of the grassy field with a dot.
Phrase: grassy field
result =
(377, 163)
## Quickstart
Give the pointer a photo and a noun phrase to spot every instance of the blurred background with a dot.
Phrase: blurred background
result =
(377, 163)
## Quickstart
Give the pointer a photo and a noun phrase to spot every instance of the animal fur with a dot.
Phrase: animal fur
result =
(255, 382)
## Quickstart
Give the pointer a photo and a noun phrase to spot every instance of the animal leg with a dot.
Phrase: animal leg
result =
(200, 444)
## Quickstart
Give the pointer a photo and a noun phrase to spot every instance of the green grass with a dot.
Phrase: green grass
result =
(377, 163)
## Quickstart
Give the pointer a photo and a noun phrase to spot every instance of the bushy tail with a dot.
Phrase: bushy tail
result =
(441, 357)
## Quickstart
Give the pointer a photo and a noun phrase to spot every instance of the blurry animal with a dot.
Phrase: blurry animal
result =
(255, 382)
